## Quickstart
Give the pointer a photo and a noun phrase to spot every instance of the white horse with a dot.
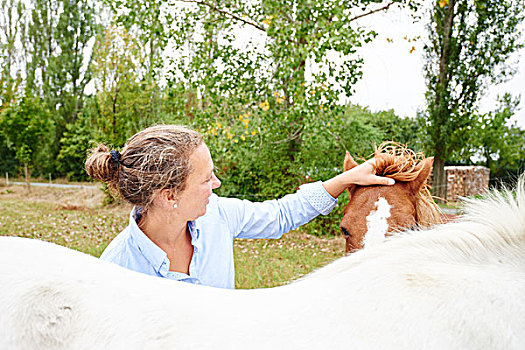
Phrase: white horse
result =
(457, 286)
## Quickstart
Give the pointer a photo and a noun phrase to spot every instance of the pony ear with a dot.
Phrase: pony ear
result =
(426, 166)
(349, 162)
(350, 190)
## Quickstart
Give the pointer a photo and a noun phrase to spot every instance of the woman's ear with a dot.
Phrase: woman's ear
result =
(167, 195)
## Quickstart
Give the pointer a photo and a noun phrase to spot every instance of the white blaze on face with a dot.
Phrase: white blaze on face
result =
(376, 223)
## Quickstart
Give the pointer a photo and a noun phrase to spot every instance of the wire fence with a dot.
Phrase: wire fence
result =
(494, 182)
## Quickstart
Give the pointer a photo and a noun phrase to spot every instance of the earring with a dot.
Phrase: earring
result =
(175, 205)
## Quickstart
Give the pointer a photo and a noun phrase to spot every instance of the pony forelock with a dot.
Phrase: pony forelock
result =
(398, 162)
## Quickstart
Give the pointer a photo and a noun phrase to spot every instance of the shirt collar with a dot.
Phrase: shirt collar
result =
(194, 231)
(152, 252)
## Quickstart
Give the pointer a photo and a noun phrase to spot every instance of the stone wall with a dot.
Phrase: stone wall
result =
(463, 181)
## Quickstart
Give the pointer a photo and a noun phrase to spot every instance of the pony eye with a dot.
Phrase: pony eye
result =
(345, 232)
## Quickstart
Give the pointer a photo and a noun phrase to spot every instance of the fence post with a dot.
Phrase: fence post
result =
(7, 178)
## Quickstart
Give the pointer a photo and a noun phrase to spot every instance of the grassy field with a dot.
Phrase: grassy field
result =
(75, 218)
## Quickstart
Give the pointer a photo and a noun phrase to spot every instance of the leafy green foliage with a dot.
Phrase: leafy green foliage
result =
(24, 127)
(499, 144)
(74, 146)
(492, 129)
(8, 161)
(57, 53)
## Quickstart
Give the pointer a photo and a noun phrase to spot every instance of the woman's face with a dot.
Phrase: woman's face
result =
(192, 202)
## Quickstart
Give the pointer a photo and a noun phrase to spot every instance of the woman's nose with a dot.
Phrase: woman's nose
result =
(215, 182)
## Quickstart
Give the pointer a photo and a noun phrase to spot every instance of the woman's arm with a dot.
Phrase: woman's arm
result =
(270, 219)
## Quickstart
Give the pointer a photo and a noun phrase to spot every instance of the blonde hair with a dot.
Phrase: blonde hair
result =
(154, 159)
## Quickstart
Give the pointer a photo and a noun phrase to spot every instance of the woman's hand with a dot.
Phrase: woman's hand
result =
(363, 174)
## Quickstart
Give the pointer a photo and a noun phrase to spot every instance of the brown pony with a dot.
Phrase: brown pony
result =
(378, 211)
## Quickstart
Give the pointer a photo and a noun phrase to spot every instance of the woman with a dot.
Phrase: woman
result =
(178, 228)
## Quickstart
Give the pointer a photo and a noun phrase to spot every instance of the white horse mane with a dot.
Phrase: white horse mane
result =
(456, 286)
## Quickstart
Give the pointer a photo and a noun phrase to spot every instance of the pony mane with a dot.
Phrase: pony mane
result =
(398, 162)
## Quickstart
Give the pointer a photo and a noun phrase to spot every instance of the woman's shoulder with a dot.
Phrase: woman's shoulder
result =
(118, 247)
(223, 205)
(220, 209)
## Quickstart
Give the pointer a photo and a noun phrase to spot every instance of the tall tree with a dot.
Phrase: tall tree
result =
(69, 73)
(296, 34)
(41, 46)
(12, 32)
(59, 45)
(120, 104)
(123, 97)
(149, 22)
(470, 43)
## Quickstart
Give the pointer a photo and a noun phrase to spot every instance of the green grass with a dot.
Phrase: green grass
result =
(448, 205)
(269, 263)
(75, 219)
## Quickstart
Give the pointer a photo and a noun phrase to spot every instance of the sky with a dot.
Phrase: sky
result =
(393, 76)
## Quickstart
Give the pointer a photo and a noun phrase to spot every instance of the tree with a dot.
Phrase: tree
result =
(491, 129)
(511, 162)
(148, 22)
(393, 127)
(12, 32)
(76, 142)
(470, 42)
(322, 35)
(124, 92)
(24, 126)
(69, 74)
(40, 46)
(500, 144)
(58, 46)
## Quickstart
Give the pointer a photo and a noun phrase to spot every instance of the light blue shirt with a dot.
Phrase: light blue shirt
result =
(212, 235)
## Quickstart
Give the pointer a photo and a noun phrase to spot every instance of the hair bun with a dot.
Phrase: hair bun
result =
(101, 165)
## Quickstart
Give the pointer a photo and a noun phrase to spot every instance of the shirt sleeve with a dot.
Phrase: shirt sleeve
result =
(273, 218)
